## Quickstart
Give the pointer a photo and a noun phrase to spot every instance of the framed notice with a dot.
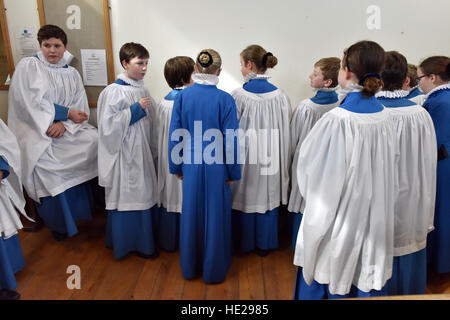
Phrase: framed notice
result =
(87, 25)
(6, 59)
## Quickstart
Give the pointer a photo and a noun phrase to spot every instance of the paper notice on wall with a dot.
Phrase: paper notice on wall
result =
(94, 67)
(26, 41)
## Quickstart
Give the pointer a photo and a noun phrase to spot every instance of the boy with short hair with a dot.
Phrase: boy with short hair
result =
(48, 113)
(125, 165)
(411, 85)
(177, 71)
(324, 80)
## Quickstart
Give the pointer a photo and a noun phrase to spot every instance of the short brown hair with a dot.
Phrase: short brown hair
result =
(178, 71)
(412, 75)
(260, 57)
(363, 58)
(330, 69)
(395, 71)
(438, 65)
(51, 31)
(130, 50)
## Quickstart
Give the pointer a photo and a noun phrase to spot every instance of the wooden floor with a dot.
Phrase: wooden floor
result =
(102, 277)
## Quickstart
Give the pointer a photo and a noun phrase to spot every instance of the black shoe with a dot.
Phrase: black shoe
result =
(6, 294)
(148, 256)
(261, 252)
(59, 236)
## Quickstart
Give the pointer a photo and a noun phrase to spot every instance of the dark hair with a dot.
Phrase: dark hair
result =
(330, 69)
(178, 71)
(260, 57)
(51, 31)
(395, 71)
(412, 75)
(366, 60)
(438, 65)
(130, 50)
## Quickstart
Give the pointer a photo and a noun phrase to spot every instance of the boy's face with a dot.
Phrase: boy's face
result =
(316, 78)
(136, 68)
(53, 49)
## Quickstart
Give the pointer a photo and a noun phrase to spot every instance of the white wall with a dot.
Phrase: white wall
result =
(298, 32)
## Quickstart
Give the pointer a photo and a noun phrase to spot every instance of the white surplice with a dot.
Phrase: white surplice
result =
(125, 161)
(50, 165)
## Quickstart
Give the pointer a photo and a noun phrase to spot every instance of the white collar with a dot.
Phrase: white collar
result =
(134, 83)
(327, 89)
(392, 94)
(441, 87)
(253, 75)
(204, 78)
(343, 93)
(61, 63)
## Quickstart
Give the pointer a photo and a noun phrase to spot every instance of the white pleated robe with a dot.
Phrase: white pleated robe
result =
(262, 188)
(346, 234)
(304, 117)
(170, 188)
(416, 177)
(50, 165)
(125, 161)
(11, 195)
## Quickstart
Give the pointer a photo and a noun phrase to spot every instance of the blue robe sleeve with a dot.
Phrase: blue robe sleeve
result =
(230, 125)
(175, 123)
(4, 167)
(137, 113)
(61, 112)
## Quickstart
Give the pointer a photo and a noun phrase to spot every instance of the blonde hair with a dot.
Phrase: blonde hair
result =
(208, 61)
(260, 57)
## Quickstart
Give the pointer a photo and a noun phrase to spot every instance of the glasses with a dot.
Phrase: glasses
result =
(418, 78)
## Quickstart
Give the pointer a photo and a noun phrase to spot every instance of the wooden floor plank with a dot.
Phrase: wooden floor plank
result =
(102, 277)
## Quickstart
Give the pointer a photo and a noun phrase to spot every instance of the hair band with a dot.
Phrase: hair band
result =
(264, 60)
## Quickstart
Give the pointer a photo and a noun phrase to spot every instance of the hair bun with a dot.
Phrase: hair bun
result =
(205, 59)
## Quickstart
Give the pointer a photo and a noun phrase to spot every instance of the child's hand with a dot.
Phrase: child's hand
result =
(77, 116)
(56, 130)
(179, 176)
(144, 102)
(228, 182)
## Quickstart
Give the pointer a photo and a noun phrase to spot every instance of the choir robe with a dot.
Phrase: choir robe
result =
(346, 174)
(437, 104)
(11, 198)
(416, 182)
(205, 222)
(256, 198)
(304, 117)
(125, 167)
(169, 186)
(55, 171)
(416, 96)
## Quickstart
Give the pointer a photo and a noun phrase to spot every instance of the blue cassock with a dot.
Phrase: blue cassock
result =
(11, 257)
(438, 105)
(205, 224)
